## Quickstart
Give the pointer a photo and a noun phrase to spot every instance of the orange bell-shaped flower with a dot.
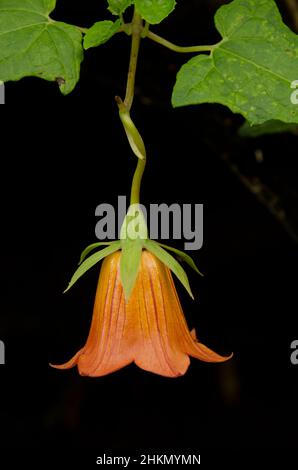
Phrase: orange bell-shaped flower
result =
(150, 329)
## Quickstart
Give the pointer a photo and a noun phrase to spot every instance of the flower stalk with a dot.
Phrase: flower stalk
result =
(137, 316)
(136, 31)
(134, 137)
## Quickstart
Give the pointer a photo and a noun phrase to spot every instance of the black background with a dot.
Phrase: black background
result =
(61, 157)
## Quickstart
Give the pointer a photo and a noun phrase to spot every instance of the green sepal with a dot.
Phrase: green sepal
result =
(134, 225)
(91, 261)
(92, 247)
(131, 252)
(188, 259)
(170, 262)
(100, 33)
(133, 235)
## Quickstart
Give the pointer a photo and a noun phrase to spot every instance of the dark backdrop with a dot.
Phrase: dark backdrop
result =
(61, 157)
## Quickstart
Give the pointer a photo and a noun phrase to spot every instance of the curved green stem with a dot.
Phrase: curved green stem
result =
(136, 182)
(154, 37)
(133, 135)
(136, 30)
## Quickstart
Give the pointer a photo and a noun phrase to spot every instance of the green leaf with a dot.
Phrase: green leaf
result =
(131, 252)
(92, 247)
(100, 33)
(32, 44)
(154, 11)
(119, 6)
(183, 256)
(91, 261)
(170, 262)
(268, 127)
(251, 70)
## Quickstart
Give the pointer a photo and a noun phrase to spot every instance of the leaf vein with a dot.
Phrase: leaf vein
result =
(261, 67)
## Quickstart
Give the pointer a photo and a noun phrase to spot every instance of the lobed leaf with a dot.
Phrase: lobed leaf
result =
(117, 7)
(251, 70)
(32, 44)
(154, 11)
(100, 33)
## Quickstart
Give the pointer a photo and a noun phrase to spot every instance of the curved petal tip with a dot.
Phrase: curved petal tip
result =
(69, 364)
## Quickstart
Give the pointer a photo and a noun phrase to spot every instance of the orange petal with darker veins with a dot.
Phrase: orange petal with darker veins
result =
(150, 329)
